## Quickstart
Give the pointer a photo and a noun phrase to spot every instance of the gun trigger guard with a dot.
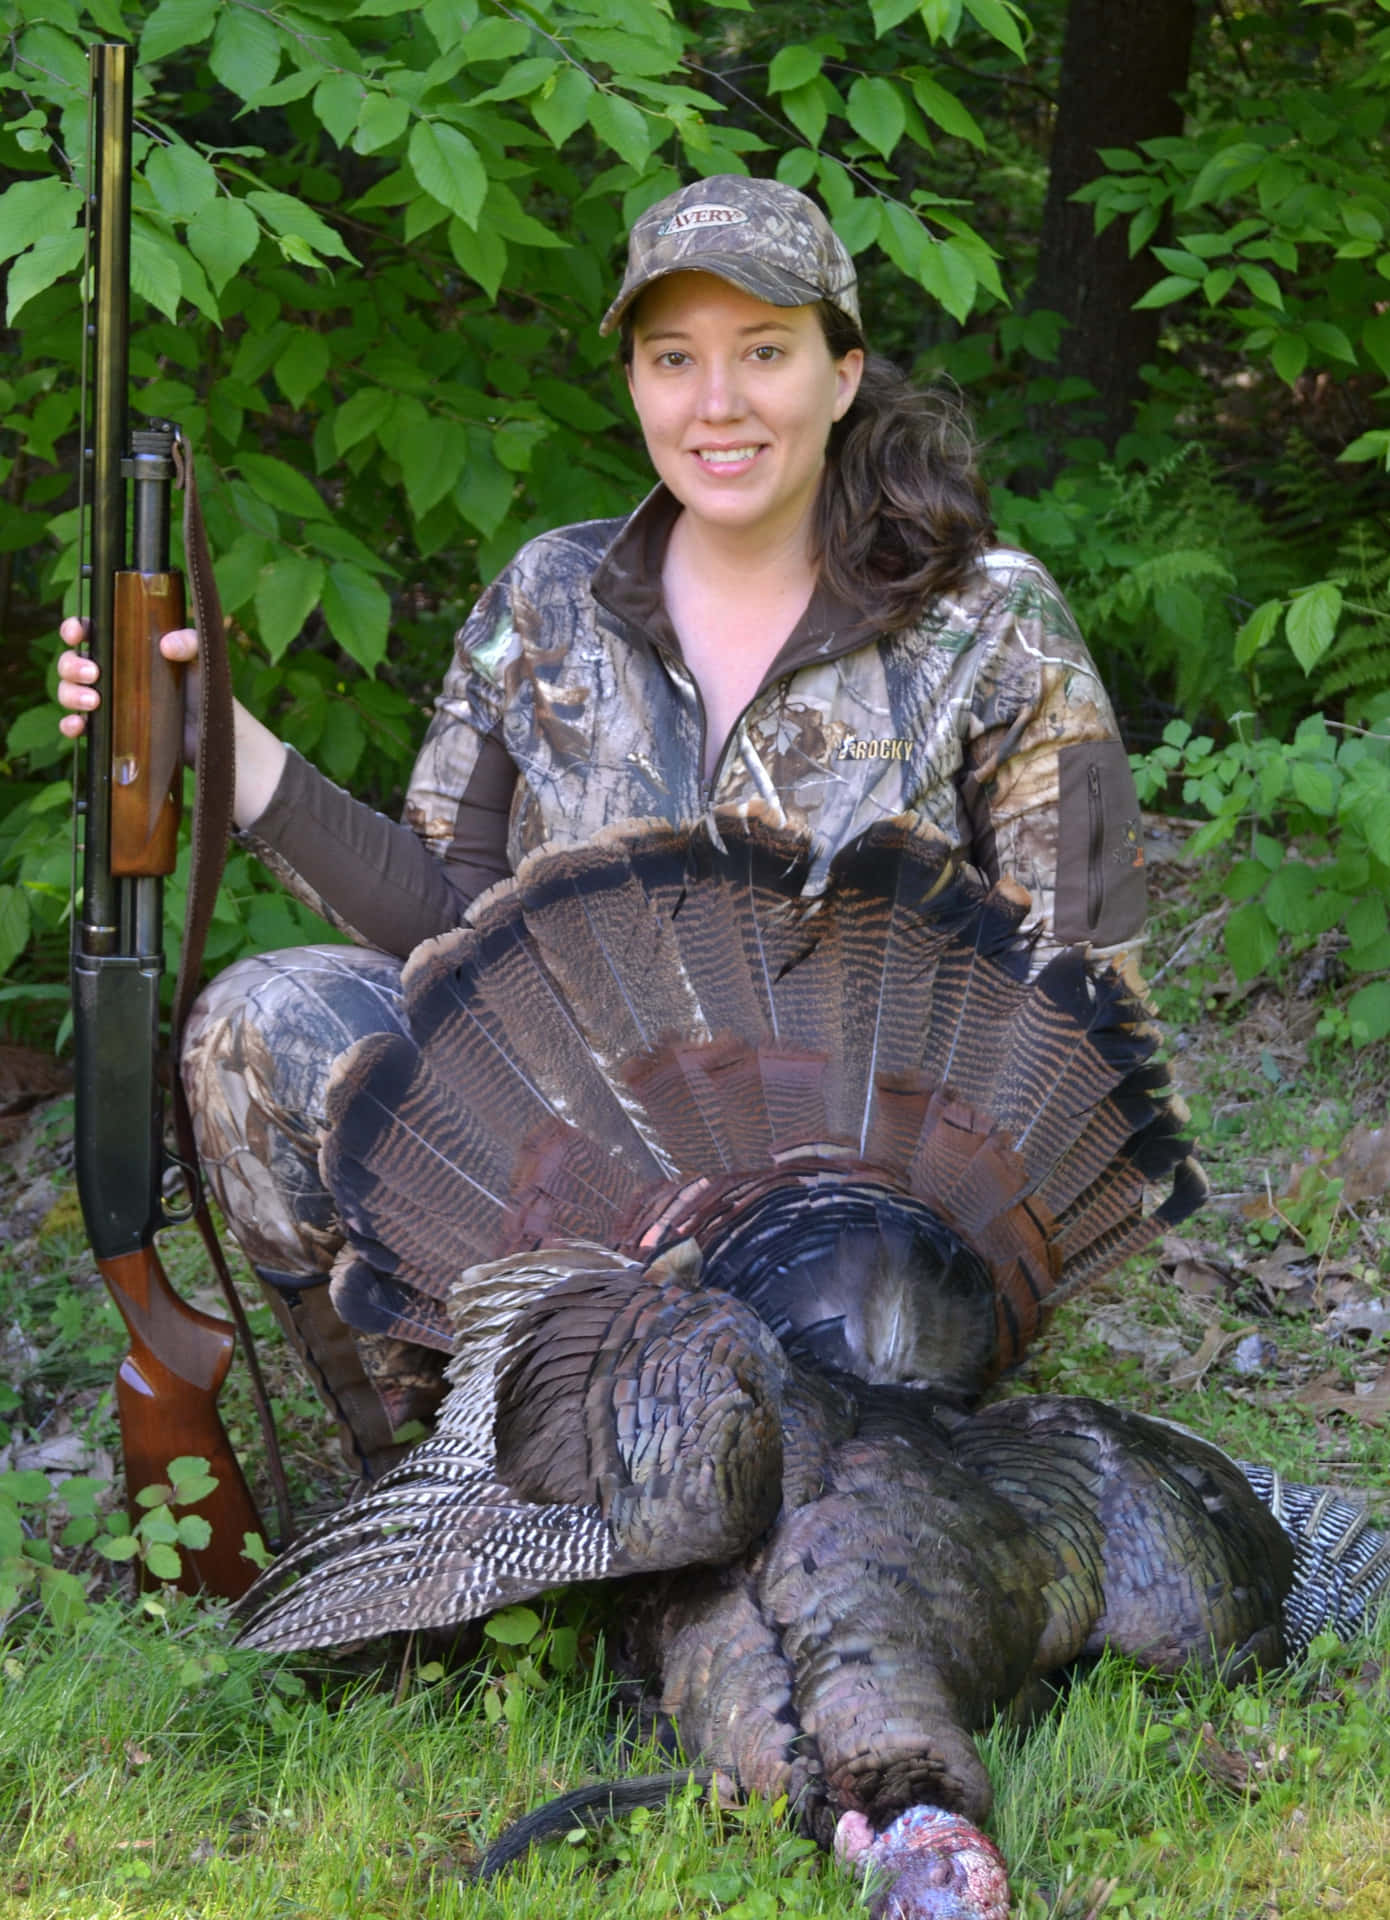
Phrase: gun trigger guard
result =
(178, 1175)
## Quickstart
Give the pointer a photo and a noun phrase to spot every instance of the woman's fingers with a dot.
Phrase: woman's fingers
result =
(77, 675)
(76, 692)
(76, 680)
(180, 644)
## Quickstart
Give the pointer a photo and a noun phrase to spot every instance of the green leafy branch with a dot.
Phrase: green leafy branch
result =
(1263, 197)
(1314, 815)
(36, 1518)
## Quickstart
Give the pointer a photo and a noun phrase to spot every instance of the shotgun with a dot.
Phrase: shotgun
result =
(167, 1385)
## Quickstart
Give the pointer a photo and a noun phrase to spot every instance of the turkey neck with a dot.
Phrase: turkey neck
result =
(884, 1620)
(909, 1608)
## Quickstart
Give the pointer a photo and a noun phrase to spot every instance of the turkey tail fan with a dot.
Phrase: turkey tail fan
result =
(630, 1032)
(761, 869)
(708, 922)
(1076, 1084)
(709, 1102)
(426, 1188)
(495, 1017)
(422, 1183)
(615, 961)
(1110, 1226)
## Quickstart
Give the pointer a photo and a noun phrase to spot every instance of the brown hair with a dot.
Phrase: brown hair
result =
(902, 514)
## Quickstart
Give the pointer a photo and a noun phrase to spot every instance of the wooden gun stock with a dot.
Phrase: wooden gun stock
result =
(165, 1393)
(146, 726)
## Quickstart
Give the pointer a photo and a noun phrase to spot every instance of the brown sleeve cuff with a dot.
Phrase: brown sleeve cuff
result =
(476, 856)
(370, 875)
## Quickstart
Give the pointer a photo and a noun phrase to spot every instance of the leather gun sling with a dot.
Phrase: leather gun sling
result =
(214, 790)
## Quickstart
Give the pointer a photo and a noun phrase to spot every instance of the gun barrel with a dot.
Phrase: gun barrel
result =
(117, 1107)
(109, 210)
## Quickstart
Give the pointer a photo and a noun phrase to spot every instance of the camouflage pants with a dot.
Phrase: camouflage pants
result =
(258, 1054)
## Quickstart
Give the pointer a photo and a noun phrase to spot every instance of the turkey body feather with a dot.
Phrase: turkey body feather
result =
(728, 1200)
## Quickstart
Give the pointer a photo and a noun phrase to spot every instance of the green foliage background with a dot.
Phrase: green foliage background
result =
(372, 240)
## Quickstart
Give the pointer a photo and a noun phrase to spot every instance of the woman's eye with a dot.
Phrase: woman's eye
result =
(673, 357)
(767, 353)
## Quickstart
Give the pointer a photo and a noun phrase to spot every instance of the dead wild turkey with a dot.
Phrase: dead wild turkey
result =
(728, 1198)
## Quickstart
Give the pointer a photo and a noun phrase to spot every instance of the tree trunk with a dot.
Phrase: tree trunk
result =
(1123, 64)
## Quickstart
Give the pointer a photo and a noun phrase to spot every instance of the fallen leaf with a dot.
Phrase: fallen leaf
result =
(1351, 1285)
(1363, 1164)
(1120, 1329)
(1226, 1766)
(62, 1454)
(1285, 1269)
(1359, 1320)
(1368, 1401)
(1254, 1353)
(1189, 1371)
(1201, 1279)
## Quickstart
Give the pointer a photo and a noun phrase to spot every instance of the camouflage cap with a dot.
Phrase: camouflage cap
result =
(758, 234)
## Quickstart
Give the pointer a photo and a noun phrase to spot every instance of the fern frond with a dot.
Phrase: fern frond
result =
(1356, 668)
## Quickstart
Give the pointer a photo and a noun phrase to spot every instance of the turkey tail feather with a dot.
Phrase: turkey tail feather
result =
(630, 1032)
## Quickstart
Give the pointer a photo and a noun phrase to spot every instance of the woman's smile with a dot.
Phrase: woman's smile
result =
(727, 459)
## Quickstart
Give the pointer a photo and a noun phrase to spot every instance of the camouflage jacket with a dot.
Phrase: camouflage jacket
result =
(568, 706)
(988, 718)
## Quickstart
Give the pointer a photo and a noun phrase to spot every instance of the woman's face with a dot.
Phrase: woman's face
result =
(736, 399)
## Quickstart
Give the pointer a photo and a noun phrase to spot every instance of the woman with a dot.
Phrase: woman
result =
(805, 611)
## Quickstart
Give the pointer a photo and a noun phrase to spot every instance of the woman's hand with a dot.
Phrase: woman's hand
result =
(260, 757)
(77, 678)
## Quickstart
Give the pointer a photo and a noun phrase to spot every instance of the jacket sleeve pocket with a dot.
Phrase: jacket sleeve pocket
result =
(1100, 896)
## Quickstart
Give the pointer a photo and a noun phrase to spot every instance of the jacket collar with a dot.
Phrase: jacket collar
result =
(627, 581)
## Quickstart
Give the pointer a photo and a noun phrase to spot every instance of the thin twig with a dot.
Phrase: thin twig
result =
(1326, 1253)
(1223, 15)
(403, 1678)
(784, 127)
(559, 45)
(1279, 1214)
(1213, 913)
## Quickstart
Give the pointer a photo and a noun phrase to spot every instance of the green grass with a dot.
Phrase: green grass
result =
(147, 1768)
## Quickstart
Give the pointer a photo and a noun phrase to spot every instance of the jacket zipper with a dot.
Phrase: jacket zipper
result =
(685, 678)
(1095, 874)
(680, 672)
